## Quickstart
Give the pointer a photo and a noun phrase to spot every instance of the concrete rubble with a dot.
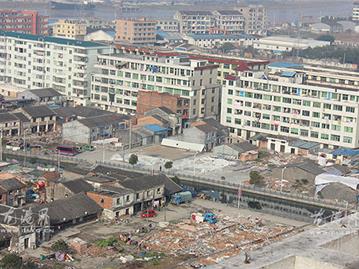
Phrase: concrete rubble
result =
(210, 243)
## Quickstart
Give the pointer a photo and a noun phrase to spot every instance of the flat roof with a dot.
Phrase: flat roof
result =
(51, 39)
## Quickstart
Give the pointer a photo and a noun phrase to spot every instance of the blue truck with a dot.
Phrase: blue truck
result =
(181, 197)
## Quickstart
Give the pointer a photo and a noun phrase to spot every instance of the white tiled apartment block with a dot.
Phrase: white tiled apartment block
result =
(120, 76)
(355, 14)
(310, 103)
(33, 62)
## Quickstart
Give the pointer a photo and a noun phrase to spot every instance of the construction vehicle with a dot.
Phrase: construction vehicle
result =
(181, 197)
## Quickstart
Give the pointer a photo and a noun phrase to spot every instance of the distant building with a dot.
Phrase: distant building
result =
(195, 22)
(42, 119)
(229, 22)
(74, 29)
(255, 19)
(285, 43)
(102, 35)
(356, 12)
(44, 97)
(216, 40)
(320, 28)
(136, 31)
(167, 25)
(25, 21)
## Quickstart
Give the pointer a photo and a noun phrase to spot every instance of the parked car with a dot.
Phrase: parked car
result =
(148, 213)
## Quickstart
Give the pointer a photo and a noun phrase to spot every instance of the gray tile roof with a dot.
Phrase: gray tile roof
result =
(74, 207)
(78, 185)
(206, 128)
(46, 92)
(228, 12)
(8, 117)
(38, 111)
(166, 110)
(144, 182)
(80, 111)
(11, 184)
(242, 147)
(194, 12)
(104, 120)
(309, 167)
(21, 117)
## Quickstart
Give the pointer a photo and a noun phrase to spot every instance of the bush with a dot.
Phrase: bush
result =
(168, 165)
(104, 243)
(133, 159)
(256, 178)
(11, 261)
(61, 246)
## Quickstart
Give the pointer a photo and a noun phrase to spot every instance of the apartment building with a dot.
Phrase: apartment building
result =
(255, 19)
(355, 15)
(121, 76)
(311, 103)
(167, 25)
(34, 62)
(136, 31)
(23, 21)
(229, 21)
(74, 29)
(195, 22)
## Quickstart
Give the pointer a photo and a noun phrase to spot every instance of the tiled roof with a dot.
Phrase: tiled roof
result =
(38, 111)
(46, 92)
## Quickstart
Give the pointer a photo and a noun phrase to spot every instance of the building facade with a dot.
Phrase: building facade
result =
(121, 76)
(23, 21)
(33, 62)
(73, 29)
(167, 25)
(310, 103)
(195, 22)
(229, 21)
(136, 31)
(355, 15)
(255, 19)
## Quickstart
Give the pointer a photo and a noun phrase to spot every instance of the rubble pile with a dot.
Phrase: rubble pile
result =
(213, 242)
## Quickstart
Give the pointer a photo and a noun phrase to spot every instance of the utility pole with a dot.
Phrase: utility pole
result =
(1, 145)
(24, 146)
(130, 136)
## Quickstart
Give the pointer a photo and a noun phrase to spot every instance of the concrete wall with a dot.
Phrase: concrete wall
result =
(76, 132)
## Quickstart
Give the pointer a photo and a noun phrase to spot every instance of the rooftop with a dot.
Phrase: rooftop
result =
(6, 117)
(78, 185)
(195, 12)
(46, 92)
(38, 111)
(51, 39)
(80, 111)
(219, 36)
(103, 120)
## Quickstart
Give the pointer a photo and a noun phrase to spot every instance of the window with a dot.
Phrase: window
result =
(350, 109)
(127, 198)
(158, 190)
(304, 132)
(348, 129)
(316, 114)
(229, 110)
(324, 136)
(228, 119)
(305, 113)
(306, 103)
(336, 127)
(335, 138)
(229, 101)
(316, 104)
(347, 139)
(314, 134)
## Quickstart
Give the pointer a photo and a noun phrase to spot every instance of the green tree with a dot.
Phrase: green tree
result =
(255, 178)
(227, 47)
(133, 159)
(61, 246)
(11, 261)
(329, 38)
(168, 165)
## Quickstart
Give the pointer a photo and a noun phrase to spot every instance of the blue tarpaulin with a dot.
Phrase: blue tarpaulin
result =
(346, 152)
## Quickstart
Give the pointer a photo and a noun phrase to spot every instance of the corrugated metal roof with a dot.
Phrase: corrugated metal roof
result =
(155, 128)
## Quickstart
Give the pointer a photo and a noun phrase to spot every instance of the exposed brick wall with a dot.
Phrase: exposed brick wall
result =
(148, 100)
(101, 200)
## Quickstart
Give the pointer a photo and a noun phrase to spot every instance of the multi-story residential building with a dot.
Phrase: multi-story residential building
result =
(255, 19)
(33, 62)
(74, 29)
(136, 31)
(229, 21)
(195, 22)
(355, 15)
(25, 21)
(311, 103)
(167, 25)
(115, 86)
(210, 41)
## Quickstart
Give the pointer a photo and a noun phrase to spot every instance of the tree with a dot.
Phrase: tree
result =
(11, 261)
(329, 38)
(227, 47)
(133, 159)
(256, 178)
(168, 165)
(61, 246)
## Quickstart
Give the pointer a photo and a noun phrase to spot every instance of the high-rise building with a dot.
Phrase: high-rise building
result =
(229, 22)
(136, 31)
(311, 103)
(26, 21)
(356, 12)
(255, 19)
(33, 61)
(195, 22)
(121, 76)
(74, 29)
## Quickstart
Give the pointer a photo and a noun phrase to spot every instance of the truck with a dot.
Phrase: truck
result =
(181, 197)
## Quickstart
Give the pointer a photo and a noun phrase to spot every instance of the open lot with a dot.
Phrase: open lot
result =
(171, 238)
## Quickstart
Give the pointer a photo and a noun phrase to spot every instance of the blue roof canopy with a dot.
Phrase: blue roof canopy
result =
(155, 128)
